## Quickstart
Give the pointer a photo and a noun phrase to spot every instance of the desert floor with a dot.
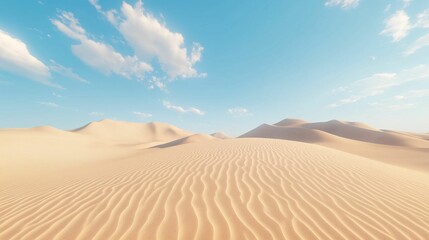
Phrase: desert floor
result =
(290, 180)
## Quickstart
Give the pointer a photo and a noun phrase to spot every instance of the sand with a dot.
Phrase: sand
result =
(98, 185)
(398, 148)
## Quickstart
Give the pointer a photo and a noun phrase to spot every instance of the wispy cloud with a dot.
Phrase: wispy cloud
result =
(346, 4)
(180, 109)
(386, 105)
(41, 34)
(96, 54)
(422, 22)
(142, 115)
(423, 19)
(418, 44)
(49, 104)
(16, 58)
(239, 112)
(57, 95)
(397, 26)
(156, 82)
(378, 83)
(407, 3)
(413, 94)
(66, 72)
(406, 100)
(166, 46)
(96, 114)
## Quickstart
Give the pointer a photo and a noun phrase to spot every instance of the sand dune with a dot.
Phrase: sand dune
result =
(367, 134)
(132, 133)
(108, 181)
(33, 152)
(356, 131)
(231, 189)
(29, 153)
(290, 133)
(288, 122)
(406, 150)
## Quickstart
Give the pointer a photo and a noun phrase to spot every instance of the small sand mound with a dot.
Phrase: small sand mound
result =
(220, 135)
(190, 139)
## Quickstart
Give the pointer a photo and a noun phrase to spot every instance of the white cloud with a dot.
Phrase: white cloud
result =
(239, 112)
(143, 115)
(49, 104)
(402, 101)
(413, 94)
(57, 95)
(423, 19)
(345, 101)
(419, 93)
(16, 58)
(41, 34)
(98, 55)
(69, 25)
(396, 107)
(180, 109)
(379, 83)
(397, 26)
(96, 114)
(66, 72)
(392, 106)
(418, 44)
(346, 4)
(196, 52)
(155, 82)
(407, 3)
(95, 4)
(158, 42)
(104, 58)
(421, 22)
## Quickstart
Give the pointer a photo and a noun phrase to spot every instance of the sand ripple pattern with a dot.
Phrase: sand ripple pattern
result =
(232, 189)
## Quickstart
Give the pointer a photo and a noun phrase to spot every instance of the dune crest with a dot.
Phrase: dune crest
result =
(398, 148)
(190, 139)
(349, 130)
(288, 122)
(361, 132)
(126, 132)
(220, 135)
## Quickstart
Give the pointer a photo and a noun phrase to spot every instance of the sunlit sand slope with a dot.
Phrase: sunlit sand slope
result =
(398, 148)
(230, 189)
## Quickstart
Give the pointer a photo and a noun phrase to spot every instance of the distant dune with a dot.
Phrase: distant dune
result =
(406, 150)
(125, 132)
(349, 130)
(119, 180)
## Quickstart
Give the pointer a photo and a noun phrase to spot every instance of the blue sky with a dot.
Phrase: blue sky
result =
(210, 66)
